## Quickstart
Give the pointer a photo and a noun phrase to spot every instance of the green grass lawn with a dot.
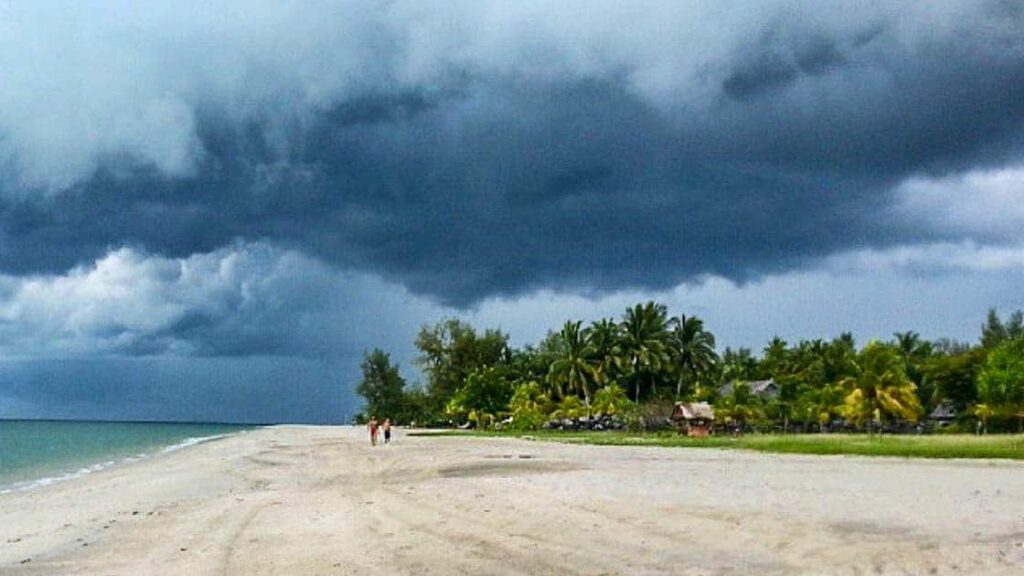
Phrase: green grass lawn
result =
(934, 446)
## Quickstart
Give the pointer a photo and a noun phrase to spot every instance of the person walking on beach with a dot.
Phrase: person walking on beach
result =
(373, 430)
(387, 430)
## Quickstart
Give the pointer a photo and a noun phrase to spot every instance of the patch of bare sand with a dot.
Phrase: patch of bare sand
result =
(309, 500)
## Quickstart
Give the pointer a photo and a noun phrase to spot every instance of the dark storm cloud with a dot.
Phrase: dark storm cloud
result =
(581, 181)
(779, 146)
(775, 62)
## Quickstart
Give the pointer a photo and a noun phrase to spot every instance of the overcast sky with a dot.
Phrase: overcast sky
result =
(210, 210)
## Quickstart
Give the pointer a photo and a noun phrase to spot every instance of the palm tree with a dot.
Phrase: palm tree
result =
(776, 357)
(839, 358)
(740, 407)
(603, 339)
(823, 363)
(820, 405)
(644, 335)
(740, 365)
(879, 387)
(911, 346)
(550, 349)
(983, 412)
(915, 352)
(573, 367)
(692, 348)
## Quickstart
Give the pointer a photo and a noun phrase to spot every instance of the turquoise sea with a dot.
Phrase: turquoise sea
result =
(34, 452)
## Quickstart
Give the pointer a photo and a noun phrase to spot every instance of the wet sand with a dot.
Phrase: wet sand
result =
(320, 500)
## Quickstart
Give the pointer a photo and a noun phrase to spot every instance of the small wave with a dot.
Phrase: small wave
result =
(192, 442)
(49, 480)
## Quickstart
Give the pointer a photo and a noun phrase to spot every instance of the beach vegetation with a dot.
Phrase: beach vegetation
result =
(573, 370)
(529, 406)
(879, 389)
(1001, 381)
(483, 396)
(382, 385)
(644, 354)
(634, 368)
(451, 351)
(611, 400)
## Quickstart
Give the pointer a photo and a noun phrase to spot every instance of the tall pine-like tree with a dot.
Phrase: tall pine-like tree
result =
(382, 386)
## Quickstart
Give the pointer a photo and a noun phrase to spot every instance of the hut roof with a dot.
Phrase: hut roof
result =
(693, 411)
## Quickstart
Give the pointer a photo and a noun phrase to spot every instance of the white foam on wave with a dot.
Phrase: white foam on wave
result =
(192, 442)
(49, 480)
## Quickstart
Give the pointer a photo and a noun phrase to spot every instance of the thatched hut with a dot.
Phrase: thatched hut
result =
(693, 418)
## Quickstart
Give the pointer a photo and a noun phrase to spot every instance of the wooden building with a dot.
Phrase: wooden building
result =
(694, 418)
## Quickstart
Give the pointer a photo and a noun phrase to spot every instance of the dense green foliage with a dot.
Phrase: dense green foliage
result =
(953, 377)
(1001, 381)
(530, 406)
(574, 368)
(382, 385)
(485, 393)
(451, 351)
(635, 367)
(879, 388)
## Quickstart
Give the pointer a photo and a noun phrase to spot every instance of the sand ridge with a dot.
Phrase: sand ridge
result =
(320, 500)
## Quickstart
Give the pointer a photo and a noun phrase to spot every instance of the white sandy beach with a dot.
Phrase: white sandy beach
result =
(320, 500)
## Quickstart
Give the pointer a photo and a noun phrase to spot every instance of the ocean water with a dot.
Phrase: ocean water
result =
(37, 452)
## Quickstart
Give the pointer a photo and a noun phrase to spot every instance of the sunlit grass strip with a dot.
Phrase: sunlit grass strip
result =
(1006, 447)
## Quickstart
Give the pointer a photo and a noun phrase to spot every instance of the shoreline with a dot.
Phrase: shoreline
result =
(46, 452)
(64, 476)
(320, 500)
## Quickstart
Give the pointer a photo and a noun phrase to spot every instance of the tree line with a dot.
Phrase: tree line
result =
(645, 360)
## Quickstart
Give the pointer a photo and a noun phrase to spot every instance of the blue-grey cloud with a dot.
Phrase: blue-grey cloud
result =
(240, 300)
(555, 156)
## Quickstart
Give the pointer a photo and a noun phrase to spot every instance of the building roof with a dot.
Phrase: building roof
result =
(757, 387)
(944, 411)
(693, 411)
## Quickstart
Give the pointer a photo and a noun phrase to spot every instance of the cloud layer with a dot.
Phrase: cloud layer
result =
(247, 299)
(470, 150)
(252, 300)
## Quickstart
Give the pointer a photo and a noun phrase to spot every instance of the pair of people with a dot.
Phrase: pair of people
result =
(375, 429)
